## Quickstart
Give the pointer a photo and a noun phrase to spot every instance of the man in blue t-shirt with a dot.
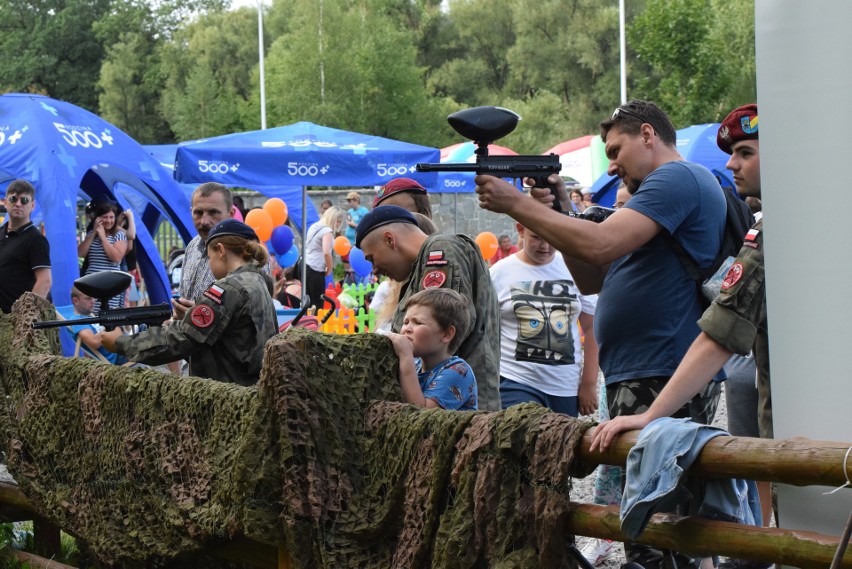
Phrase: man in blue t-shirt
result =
(648, 307)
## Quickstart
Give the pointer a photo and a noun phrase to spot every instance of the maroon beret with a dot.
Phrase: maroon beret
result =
(740, 124)
(398, 185)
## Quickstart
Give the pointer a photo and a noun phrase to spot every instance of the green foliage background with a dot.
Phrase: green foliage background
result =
(167, 70)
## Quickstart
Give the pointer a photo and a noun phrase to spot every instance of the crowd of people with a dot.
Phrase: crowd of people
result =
(537, 323)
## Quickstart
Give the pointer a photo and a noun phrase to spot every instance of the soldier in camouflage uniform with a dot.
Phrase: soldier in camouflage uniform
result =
(404, 253)
(737, 318)
(223, 335)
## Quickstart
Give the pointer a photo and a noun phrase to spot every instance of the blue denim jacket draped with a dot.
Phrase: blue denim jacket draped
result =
(656, 465)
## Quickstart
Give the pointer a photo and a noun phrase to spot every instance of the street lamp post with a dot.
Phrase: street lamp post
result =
(622, 57)
(260, 59)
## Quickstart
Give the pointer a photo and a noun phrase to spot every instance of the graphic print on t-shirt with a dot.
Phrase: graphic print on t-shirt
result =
(545, 310)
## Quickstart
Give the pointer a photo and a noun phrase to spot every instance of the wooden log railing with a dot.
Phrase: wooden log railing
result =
(797, 461)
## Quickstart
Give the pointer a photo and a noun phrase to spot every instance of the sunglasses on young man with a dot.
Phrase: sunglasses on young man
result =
(15, 199)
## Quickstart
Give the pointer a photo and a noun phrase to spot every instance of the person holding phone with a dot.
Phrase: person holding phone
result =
(104, 247)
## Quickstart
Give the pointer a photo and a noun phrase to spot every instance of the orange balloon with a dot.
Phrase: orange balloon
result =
(342, 246)
(277, 210)
(261, 222)
(487, 242)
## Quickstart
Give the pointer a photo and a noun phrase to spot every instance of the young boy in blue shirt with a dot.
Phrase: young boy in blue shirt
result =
(436, 321)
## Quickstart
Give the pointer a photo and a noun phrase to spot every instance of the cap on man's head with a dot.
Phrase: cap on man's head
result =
(398, 185)
(231, 226)
(379, 216)
(353, 196)
(740, 124)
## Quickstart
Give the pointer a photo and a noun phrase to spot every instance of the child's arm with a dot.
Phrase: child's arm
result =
(411, 392)
(587, 400)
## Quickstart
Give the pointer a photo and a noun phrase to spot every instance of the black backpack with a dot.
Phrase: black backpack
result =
(738, 220)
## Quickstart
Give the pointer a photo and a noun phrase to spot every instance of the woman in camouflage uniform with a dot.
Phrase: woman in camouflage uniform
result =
(224, 334)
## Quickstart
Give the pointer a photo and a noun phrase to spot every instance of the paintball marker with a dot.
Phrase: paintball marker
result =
(103, 286)
(484, 125)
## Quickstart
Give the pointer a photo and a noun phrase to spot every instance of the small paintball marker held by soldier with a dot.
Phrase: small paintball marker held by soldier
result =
(104, 285)
(484, 125)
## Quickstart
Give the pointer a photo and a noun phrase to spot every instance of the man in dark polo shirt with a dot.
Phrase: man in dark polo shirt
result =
(24, 251)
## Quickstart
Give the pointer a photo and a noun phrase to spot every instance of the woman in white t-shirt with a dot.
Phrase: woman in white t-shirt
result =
(319, 244)
(542, 359)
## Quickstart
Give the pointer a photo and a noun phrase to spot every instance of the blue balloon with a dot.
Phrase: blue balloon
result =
(289, 258)
(359, 264)
(282, 239)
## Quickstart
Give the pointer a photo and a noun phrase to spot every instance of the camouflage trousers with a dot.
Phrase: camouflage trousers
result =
(634, 397)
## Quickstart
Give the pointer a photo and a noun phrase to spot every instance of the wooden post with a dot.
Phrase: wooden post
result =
(46, 536)
(284, 559)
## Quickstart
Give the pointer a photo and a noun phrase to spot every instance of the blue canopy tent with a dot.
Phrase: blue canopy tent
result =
(69, 154)
(696, 143)
(292, 195)
(303, 154)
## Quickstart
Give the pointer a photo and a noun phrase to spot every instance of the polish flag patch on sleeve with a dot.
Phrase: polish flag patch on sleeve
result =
(752, 234)
(214, 293)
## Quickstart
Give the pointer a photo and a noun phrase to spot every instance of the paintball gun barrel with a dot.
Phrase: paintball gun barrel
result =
(103, 286)
(484, 125)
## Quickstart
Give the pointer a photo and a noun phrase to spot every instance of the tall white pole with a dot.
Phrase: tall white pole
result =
(801, 48)
(623, 56)
(260, 59)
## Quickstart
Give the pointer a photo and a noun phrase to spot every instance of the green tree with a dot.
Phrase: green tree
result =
(130, 89)
(48, 46)
(682, 60)
(480, 35)
(131, 80)
(567, 55)
(733, 28)
(209, 69)
(348, 65)
(158, 20)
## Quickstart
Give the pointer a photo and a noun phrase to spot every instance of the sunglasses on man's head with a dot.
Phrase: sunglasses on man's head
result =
(15, 199)
(628, 112)
(622, 110)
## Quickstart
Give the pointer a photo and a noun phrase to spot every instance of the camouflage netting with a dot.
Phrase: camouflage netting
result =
(320, 458)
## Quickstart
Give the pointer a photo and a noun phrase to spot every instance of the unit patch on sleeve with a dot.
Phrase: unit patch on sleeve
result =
(202, 316)
(434, 279)
(735, 273)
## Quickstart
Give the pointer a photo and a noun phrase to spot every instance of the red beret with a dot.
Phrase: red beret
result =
(740, 124)
(398, 185)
